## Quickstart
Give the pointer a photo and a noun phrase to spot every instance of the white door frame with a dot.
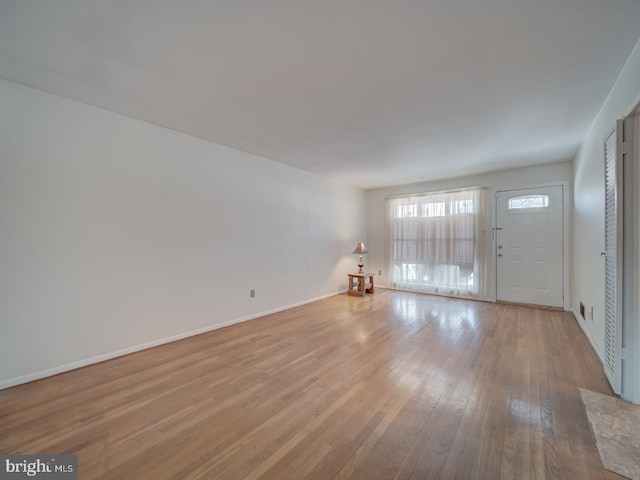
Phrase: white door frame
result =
(566, 211)
(631, 258)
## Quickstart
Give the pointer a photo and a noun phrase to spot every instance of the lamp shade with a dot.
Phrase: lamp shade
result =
(360, 249)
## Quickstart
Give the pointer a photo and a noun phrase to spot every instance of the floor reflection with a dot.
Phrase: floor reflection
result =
(450, 314)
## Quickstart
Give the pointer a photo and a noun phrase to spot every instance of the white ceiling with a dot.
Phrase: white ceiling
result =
(370, 92)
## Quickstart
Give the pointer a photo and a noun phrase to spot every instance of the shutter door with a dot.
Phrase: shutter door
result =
(613, 257)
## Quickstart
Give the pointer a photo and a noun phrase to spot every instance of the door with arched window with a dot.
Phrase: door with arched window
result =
(529, 246)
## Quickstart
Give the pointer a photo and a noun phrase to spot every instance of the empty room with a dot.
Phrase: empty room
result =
(320, 240)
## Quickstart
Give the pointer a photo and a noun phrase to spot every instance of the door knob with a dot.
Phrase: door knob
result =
(499, 254)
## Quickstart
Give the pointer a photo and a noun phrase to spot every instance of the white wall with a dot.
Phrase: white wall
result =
(588, 265)
(633, 378)
(505, 179)
(588, 227)
(115, 233)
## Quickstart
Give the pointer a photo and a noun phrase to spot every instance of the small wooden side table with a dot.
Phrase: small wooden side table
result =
(360, 283)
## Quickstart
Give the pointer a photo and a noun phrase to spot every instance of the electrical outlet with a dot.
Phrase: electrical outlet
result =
(252, 293)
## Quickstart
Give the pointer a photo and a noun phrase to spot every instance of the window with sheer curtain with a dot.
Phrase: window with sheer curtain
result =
(436, 242)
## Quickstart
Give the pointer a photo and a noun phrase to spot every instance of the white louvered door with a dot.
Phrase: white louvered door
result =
(613, 257)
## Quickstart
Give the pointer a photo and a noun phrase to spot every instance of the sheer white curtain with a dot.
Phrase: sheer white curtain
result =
(438, 242)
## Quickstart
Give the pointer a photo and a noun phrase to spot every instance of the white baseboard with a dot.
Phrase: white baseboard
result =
(583, 326)
(12, 382)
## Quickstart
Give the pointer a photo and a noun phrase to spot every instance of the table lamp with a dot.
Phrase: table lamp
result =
(360, 250)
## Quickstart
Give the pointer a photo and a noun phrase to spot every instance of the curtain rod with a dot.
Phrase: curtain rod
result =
(437, 192)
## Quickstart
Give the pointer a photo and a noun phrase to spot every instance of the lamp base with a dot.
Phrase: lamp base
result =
(360, 266)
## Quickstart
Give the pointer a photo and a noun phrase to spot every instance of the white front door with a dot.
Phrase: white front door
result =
(529, 246)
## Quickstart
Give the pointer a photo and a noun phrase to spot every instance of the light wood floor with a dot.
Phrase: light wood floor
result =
(392, 385)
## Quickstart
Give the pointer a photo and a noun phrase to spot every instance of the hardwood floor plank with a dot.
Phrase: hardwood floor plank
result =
(391, 385)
